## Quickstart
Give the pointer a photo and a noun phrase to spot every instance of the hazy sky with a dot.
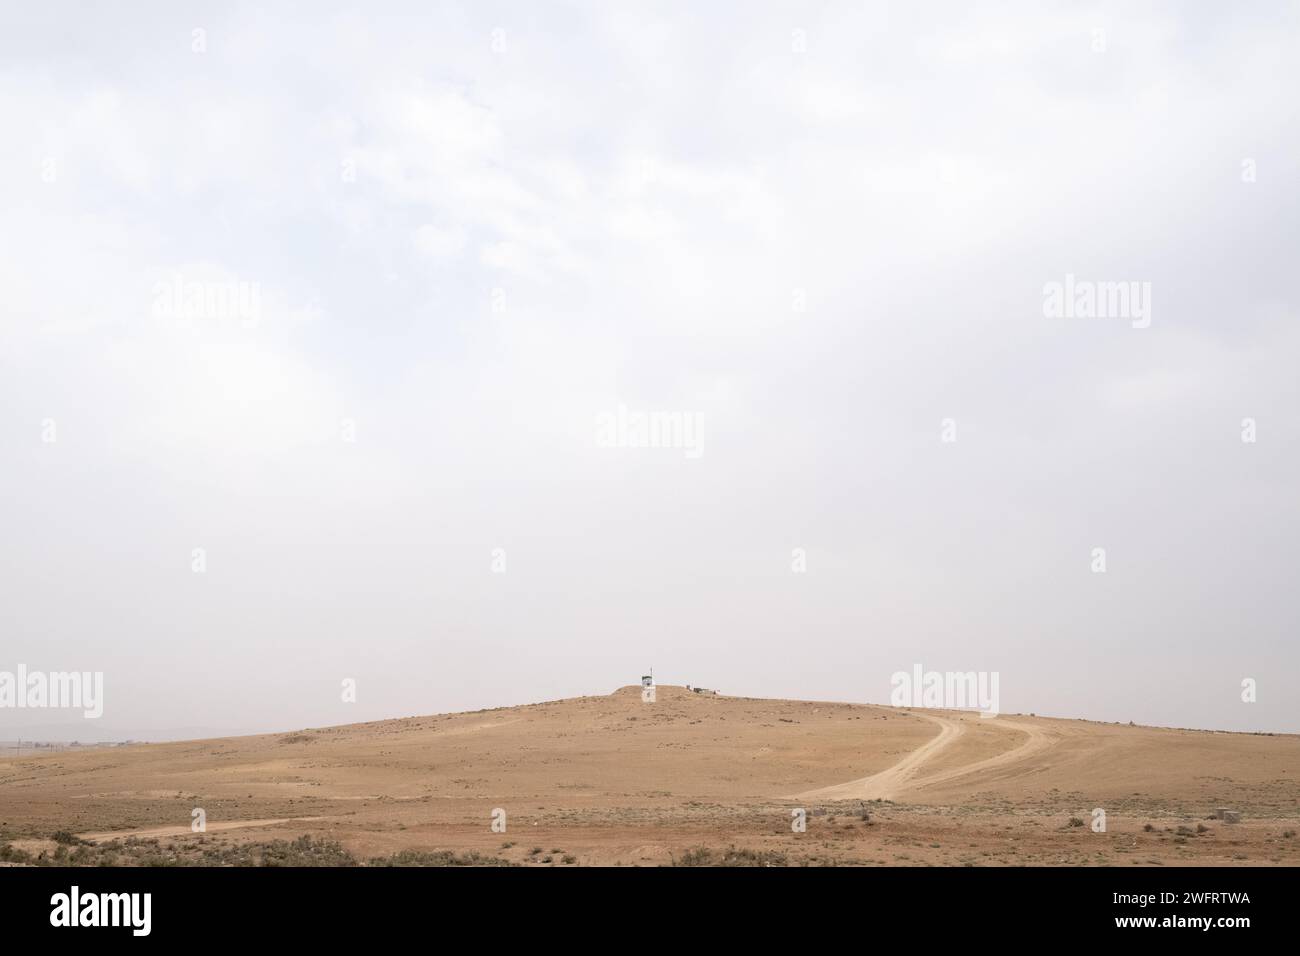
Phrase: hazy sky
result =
(813, 232)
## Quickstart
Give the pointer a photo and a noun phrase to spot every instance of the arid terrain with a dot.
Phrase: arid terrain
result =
(686, 779)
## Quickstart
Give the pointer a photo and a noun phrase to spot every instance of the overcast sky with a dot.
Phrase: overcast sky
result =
(468, 236)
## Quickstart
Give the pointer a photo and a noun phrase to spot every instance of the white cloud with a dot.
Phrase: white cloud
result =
(647, 190)
(439, 242)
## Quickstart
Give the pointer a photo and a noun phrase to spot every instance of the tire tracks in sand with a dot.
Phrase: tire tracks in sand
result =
(185, 830)
(893, 781)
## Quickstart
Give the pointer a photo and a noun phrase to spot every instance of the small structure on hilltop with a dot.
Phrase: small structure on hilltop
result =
(648, 680)
(704, 691)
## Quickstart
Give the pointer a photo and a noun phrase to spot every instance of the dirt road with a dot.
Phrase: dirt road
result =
(902, 777)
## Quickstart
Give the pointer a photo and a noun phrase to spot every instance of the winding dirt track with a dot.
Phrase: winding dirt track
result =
(894, 781)
(174, 831)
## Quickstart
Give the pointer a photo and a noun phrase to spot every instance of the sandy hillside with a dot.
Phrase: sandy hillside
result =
(686, 779)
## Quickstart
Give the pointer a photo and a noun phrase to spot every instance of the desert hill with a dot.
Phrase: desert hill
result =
(687, 778)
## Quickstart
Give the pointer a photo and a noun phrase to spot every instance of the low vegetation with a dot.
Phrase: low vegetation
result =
(732, 856)
(304, 851)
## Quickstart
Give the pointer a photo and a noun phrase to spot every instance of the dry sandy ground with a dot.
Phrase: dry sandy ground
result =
(613, 780)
